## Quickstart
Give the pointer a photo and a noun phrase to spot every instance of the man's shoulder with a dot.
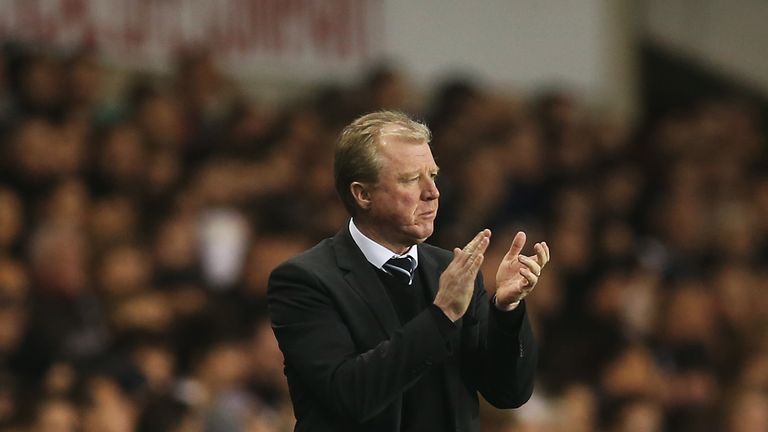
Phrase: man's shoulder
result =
(318, 256)
(306, 269)
(323, 256)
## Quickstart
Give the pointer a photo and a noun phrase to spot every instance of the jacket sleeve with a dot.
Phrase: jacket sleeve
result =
(320, 351)
(504, 366)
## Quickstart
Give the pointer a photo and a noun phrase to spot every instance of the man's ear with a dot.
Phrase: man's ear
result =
(361, 194)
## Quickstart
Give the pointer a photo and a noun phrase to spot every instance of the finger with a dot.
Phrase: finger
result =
(475, 259)
(529, 277)
(472, 245)
(483, 244)
(478, 264)
(457, 254)
(541, 254)
(459, 259)
(472, 248)
(475, 264)
(532, 265)
(517, 245)
(546, 249)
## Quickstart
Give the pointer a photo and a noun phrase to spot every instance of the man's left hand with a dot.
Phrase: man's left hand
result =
(518, 274)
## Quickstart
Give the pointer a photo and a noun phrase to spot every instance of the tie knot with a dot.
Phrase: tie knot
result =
(402, 268)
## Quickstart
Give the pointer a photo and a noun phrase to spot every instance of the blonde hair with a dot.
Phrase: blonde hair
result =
(356, 157)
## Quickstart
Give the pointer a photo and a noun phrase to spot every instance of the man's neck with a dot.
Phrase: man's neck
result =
(374, 235)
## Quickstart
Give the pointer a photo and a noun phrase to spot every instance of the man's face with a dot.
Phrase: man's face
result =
(404, 201)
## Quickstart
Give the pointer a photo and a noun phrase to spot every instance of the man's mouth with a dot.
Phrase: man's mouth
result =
(429, 213)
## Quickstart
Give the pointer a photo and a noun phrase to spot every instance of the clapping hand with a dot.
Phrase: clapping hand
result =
(518, 274)
(458, 280)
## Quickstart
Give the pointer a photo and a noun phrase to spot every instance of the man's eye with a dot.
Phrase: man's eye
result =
(433, 175)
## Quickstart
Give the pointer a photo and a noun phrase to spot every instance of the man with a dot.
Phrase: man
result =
(382, 332)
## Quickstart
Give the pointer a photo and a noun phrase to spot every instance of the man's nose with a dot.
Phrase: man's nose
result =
(430, 191)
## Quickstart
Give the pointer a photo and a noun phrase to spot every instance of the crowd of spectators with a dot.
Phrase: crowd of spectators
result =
(137, 234)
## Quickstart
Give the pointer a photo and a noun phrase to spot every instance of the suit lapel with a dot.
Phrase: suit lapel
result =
(361, 277)
(430, 272)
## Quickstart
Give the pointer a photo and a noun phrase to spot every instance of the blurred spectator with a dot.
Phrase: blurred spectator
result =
(11, 222)
(56, 415)
(748, 411)
(137, 235)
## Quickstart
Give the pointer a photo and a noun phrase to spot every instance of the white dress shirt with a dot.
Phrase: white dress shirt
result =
(375, 253)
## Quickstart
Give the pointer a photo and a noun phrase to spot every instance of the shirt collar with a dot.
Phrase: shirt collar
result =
(375, 253)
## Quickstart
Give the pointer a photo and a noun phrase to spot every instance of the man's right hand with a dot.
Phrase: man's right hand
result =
(457, 282)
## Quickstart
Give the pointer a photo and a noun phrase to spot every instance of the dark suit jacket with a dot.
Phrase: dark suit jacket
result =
(348, 360)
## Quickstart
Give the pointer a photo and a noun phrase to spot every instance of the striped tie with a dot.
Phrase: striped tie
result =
(402, 268)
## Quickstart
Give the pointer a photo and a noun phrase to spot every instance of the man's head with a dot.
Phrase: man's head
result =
(385, 172)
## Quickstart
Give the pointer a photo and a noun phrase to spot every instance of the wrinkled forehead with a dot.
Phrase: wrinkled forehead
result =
(398, 154)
